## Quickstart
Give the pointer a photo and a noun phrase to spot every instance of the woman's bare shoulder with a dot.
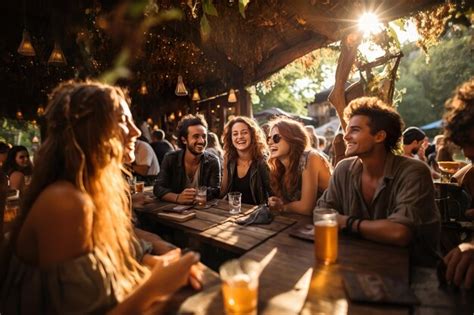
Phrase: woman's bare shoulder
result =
(317, 158)
(63, 199)
(61, 219)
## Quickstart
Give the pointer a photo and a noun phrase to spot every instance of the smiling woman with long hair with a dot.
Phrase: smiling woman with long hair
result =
(73, 250)
(17, 166)
(298, 174)
(245, 161)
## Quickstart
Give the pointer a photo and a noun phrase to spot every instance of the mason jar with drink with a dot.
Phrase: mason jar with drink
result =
(325, 235)
(201, 197)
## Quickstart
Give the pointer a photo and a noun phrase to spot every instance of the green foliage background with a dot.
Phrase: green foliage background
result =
(428, 85)
(19, 132)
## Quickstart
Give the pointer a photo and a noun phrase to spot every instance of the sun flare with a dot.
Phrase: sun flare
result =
(369, 24)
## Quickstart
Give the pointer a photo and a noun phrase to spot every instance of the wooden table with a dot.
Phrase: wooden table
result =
(216, 227)
(292, 283)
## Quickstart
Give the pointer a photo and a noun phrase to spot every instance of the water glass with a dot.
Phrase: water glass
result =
(325, 235)
(201, 197)
(235, 202)
(240, 286)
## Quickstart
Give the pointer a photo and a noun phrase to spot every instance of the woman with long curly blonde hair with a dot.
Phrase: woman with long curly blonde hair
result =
(245, 161)
(298, 174)
(73, 249)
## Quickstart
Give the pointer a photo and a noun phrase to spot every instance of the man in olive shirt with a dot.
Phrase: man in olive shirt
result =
(381, 196)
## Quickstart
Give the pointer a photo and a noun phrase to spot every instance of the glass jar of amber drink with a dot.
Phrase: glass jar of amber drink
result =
(240, 286)
(325, 235)
(201, 197)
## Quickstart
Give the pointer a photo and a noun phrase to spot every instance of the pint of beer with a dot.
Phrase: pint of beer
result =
(325, 235)
(240, 286)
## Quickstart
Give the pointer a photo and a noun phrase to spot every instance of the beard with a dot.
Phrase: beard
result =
(414, 151)
(193, 151)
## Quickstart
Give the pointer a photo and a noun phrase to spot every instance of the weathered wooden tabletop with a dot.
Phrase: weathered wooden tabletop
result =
(292, 283)
(217, 227)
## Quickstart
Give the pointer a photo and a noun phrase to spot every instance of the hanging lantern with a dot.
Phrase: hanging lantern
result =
(232, 97)
(196, 97)
(57, 55)
(26, 47)
(180, 87)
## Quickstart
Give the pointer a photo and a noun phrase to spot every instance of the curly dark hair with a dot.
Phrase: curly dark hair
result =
(459, 116)
(258, 141)
(381, 117)
(187, 121)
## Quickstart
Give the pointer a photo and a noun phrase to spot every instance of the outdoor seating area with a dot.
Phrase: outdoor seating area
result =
(237, 157)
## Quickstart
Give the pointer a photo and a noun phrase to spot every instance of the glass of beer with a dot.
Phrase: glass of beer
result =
(139, 187)
(201, 197)
(240, 286)
(325, 235)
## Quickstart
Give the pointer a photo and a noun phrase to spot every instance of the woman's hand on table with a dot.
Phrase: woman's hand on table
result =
(195, 272)
(186, 196)
(141, 199)
(341, 221)
(460, 265)
(169, 274)
(276, 204)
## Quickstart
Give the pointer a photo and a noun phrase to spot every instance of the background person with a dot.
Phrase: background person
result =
(160, 145)
(4, 148)
(18, 167)
(245, 165)
(298, 175)
(214, 146)
(459, 128)
(191, 167)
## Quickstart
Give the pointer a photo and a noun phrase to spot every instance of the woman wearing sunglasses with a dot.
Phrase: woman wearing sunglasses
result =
(245, 165)
(298, 174)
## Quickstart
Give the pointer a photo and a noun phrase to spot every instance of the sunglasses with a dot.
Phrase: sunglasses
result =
(276, 138)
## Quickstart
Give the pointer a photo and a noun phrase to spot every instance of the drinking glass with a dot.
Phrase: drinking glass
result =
(240, 286)
(201, 197)
(139, 187)
(325, 235)
(12, 208)
(448, 169)
(235, 202)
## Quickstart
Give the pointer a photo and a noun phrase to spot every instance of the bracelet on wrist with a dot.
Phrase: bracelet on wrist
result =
(358, 226)
(348, 229)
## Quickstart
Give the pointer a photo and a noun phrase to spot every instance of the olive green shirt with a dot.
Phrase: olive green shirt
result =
(405, 195)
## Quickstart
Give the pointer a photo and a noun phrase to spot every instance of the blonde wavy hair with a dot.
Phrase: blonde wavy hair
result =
(84, 146)
(259, 148)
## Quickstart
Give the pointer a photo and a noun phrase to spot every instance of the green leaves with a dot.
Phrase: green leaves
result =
(209, 8)
(205, 28)
(242, 6)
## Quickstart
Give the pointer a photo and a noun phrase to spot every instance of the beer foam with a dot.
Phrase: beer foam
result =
(325, 223)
